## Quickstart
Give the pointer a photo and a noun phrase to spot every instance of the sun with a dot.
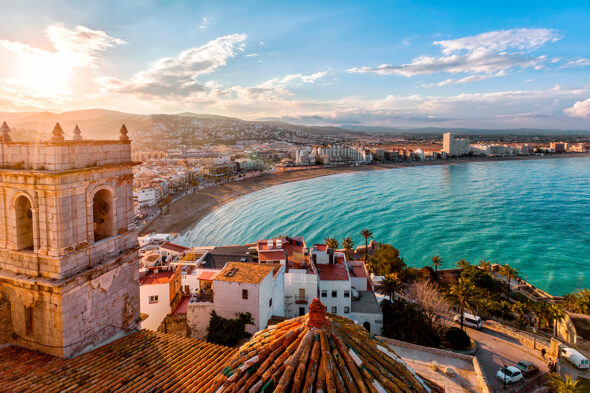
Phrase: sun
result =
(45, 74)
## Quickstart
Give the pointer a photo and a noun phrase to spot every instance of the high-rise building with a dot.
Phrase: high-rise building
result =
(455, 147)
(68, 258)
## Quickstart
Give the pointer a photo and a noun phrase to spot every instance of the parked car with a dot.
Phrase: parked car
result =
(527, 368)
(575, 357)
(509, 375)
(469, 320)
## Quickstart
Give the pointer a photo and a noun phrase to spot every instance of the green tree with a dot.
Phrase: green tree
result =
(462, 295)
(436, 262)
(228, 332)
(578, 302)
(510, 273)
(332, 243)
(389, 285)
(462, 264)
(348, 245)
(567, 385)
(385, 261)
(367, 234)
(557, 313)
(485, 265)
(406, 322)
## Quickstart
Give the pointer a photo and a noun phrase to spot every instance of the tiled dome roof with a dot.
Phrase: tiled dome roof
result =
(318, 352)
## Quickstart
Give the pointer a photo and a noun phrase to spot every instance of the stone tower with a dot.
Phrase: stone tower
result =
(68, 259)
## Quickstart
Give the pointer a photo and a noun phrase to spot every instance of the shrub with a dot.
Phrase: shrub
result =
(406, 322)
(228, 332)
(457, 338)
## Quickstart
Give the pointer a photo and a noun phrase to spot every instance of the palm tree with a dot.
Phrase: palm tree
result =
(462, 264)
(568, 385)
(510, 273)
(485, 265)
(389, 285)
(367, 234)
(332, 243)
(557, 313)
(347, 244)
(462, 294)
(436, 262)
(521, 309)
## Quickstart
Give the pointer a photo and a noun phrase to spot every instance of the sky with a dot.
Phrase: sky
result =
(390, 63)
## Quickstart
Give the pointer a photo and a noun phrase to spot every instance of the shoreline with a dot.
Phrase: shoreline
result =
(192, 208)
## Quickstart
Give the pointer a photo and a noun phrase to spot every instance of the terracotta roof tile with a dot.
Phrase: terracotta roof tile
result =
(318, 352)
(252, 273)
(144, 361)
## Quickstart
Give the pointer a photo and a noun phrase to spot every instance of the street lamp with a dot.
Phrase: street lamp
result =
(505, 369)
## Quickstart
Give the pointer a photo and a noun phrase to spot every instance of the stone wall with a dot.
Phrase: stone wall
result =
(528, 339)
(5, 323)
(59, 156)
(198, 316)
(176, 324)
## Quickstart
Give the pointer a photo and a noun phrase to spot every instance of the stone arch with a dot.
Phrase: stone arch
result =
(367, 326)
(103, 212)
(23, 221)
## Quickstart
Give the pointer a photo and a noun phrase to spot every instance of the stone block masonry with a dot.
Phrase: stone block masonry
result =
(69, 275)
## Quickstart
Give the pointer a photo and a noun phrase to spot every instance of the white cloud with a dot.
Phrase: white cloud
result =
(205, 23)
(577, 63)
(252, 55)
(177, 76)
(78, 47)
(579, 109)
(485, 54)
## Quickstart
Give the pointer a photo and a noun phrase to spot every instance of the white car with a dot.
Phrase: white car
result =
(509, 375)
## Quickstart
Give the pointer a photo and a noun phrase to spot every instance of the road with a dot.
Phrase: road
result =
(496, 349)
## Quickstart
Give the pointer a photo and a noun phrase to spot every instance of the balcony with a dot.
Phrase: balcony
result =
(300, 299)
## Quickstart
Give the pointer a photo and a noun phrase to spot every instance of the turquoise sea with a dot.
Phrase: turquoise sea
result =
(534, 215)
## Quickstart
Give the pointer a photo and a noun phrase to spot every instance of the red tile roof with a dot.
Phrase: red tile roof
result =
(271, 255)
(143, 361)
(329, 272)
(318, 352)
(182, 307)
(207, 276)
(157, 278)
(174, 247)
(251, 273)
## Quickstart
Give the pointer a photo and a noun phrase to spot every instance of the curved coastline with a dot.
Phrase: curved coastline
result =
(191, 209)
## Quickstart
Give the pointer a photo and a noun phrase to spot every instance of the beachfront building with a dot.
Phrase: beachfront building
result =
(246, 287)
(455, 147)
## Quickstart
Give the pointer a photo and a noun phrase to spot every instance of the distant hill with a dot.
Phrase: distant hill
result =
(463, 131)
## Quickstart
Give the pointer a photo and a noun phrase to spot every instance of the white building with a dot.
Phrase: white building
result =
(455, 147)
(158, 291)
(146, 197)
(250, 287)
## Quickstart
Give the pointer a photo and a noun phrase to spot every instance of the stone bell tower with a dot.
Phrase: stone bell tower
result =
(68, 258)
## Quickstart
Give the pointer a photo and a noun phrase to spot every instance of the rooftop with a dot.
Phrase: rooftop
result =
(318, 352)
(336, 272)
(251, 273)
(218, 257)
(367, 303)
(174, 247)
(140, 362)
(162, 277)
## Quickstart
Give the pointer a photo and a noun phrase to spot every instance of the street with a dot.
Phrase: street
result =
(496, 350)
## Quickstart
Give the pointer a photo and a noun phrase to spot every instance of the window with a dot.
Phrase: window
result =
(346, 309)
(28, 321)
(347, 293)
(153, 299)
(102, 215)
(324, 293)
(24, 224)
(244, 294)
(270, 302)
(334, 293)
(334, 309)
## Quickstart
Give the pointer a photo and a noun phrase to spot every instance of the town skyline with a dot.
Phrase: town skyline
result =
(521, 67)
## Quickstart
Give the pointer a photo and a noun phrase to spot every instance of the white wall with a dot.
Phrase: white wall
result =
(376, 321)
(294, 280)
(339, 301)
(228, 301)
(156, 311)
(197, 317)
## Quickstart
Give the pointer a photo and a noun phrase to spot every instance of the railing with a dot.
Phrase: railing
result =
(300, 299)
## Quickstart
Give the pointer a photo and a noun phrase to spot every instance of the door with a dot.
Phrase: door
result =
(301, 311)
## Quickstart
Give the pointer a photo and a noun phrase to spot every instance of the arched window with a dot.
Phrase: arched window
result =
(24, 223)
(102, 215)
(367, 326)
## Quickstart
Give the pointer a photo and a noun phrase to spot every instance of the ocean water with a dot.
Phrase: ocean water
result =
(534, 215)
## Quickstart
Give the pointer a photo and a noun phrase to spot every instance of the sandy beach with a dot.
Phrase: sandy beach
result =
(193, 207)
